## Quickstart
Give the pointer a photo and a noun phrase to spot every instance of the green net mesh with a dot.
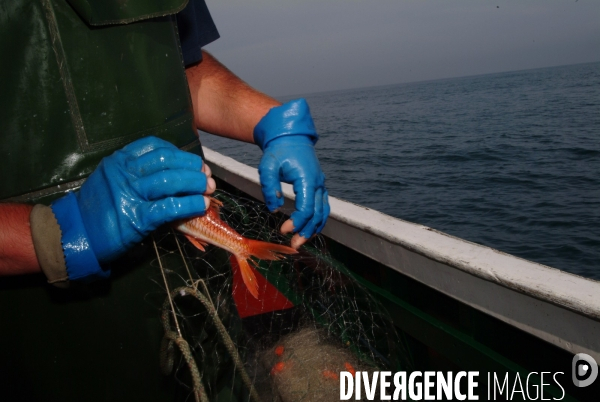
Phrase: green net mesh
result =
(312, 321)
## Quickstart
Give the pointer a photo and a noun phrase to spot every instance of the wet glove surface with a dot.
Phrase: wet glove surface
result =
(132, 192)
(287, 135)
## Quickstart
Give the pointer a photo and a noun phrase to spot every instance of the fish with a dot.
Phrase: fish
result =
(211, 229)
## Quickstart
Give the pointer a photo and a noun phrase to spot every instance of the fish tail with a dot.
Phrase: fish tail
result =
(268, 251)
(263, 251)
(248, 276)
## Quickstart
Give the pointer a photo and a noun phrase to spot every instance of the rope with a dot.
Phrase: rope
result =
(222, 331)
(167, 351)
(170, 338)
(162, 271)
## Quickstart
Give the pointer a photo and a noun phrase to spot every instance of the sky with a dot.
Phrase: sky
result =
(288, 47)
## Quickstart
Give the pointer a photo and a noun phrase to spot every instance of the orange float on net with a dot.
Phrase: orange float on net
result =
(279, 350)
(277, 368)
(330, 375)
(349, 368)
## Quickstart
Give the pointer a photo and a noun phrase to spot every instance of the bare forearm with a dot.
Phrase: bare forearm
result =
(223, 104)
(17, 255)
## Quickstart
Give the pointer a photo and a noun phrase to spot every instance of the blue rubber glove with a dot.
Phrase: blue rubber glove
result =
(132, 192)
(287, 136)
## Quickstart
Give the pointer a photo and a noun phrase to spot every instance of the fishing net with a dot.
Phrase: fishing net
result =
(312, 319)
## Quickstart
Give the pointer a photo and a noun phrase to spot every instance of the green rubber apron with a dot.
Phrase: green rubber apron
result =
(79, 80)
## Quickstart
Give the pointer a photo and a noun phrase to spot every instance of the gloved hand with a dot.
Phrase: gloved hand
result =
(132, 192)
(287, 136)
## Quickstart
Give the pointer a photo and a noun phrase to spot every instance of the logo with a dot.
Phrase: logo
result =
(585, 370)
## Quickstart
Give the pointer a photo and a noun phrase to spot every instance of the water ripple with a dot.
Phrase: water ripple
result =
(508, 160)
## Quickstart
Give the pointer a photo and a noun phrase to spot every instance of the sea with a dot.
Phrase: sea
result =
(508, 160)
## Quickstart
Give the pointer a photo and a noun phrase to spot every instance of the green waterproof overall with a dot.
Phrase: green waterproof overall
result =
(79, 80)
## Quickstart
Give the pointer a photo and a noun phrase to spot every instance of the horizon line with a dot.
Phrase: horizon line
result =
(429, 80)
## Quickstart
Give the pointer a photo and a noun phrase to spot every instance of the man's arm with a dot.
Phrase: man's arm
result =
(133, 191)
(17, 255)
(225, 105)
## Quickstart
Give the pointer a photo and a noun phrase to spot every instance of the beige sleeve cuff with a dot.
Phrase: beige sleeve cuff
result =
(46, 235)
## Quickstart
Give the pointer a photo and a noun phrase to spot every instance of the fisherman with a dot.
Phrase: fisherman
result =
(164, 183)
(101, 90)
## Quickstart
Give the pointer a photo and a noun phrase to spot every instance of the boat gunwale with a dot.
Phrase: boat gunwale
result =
(543, 283)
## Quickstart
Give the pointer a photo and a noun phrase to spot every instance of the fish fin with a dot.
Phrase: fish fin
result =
(268, 251)
(196, 242)
(215, 204)
(248, 276)
(254, 263)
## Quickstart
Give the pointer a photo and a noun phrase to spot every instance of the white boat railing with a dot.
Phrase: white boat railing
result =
(553, 305)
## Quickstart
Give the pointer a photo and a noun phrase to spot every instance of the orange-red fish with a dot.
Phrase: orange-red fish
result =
(278, 368)
(210, 229)
(349, 368)
(279, 350)
(330, 375)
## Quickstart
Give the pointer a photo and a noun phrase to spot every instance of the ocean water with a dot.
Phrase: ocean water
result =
(509, 160)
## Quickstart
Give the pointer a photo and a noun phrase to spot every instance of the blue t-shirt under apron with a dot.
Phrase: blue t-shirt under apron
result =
(196, 29)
